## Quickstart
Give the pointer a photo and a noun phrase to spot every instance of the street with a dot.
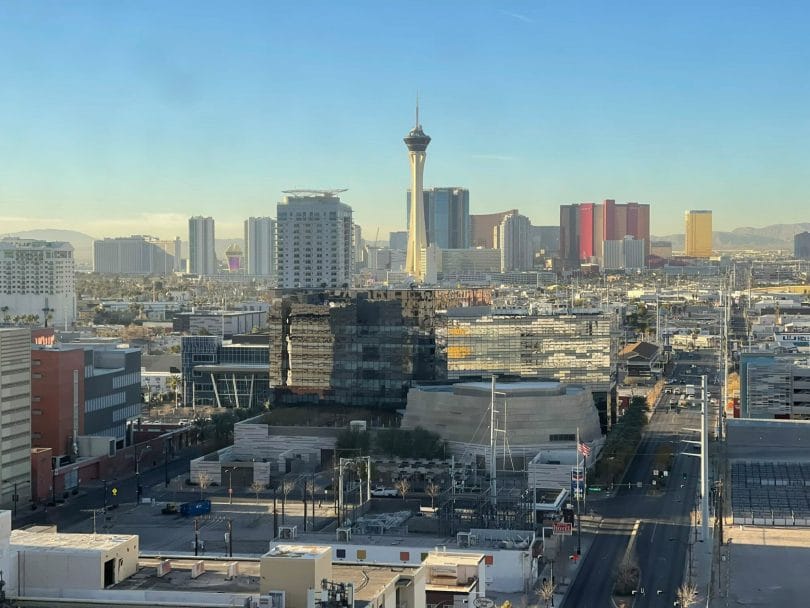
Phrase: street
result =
(662, 542)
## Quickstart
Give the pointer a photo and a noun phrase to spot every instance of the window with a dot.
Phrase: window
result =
(361, 554)
(404, 556)
(562, 437)
(340, 553)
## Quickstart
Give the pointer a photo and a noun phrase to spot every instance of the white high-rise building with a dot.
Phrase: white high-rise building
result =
(260, 246)
(417, 143)
(173, 248)
(133, 255)
(37, 279)
(15, 416)
(315, 240)
(201, 253)
(626, 254)
(513, 238)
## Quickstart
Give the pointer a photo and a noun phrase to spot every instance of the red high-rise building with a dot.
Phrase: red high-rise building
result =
(586, 231)
(587, 226)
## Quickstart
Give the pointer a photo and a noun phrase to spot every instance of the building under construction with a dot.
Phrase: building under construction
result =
(359, 348)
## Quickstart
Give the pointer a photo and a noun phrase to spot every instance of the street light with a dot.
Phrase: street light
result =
(138, 489)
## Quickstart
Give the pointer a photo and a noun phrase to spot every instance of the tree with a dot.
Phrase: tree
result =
(686, 595)
(256, 487)
(627, 577)
(356, 442)
(287, 486)
(204, 480)
(546, 592)
(402, 486)
(432, 490)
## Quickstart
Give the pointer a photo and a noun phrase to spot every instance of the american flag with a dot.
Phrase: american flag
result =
(583, 449)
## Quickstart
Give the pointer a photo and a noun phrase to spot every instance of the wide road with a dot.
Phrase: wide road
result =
(661, 544)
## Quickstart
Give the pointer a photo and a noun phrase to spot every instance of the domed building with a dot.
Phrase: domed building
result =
(530, 417)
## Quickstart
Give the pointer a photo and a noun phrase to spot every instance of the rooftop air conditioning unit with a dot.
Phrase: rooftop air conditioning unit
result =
(344, 535)
(287, 532)
(357, 426)
(273, 599)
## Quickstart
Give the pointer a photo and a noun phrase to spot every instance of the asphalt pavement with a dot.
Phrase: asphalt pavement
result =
(663, 542)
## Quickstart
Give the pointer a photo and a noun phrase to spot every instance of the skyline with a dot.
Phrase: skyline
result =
(163, 113)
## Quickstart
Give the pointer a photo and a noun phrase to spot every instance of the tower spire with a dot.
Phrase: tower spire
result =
(417, 109)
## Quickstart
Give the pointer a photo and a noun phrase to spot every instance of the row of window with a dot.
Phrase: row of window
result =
(127, 380)
(100, 403)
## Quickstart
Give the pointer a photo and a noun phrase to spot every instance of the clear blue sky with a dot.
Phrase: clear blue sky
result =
(121, 117)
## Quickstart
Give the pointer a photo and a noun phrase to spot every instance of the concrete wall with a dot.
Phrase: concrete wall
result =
(83, 568)
(79, 598)
(8, 560)
(294, 575)
(530, 420)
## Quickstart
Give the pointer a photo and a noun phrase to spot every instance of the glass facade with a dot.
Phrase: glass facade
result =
(578, 349)
(226, 375)
(447, 217)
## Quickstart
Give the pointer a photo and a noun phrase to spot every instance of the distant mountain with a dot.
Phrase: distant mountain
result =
(776, 236)
(82, 243)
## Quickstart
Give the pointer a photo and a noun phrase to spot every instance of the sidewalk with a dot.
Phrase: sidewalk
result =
(565, 569)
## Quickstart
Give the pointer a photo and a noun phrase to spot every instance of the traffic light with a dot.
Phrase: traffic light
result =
(568, 516)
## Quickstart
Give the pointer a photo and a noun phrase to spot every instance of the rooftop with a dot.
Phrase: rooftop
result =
(62, 542)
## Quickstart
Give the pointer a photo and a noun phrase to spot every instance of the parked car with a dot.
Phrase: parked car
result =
(383, 492)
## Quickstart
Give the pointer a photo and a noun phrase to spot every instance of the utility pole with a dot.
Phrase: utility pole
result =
(704, 462)
(229, 536)
(196, 537)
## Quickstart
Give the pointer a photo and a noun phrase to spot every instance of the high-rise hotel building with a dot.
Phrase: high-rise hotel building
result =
(699, 233)
(134, 255)
(37, 278)
(585, 227)
(315, 240)
(201, 253)
(260, 246)
(15, 416)
(447, 217)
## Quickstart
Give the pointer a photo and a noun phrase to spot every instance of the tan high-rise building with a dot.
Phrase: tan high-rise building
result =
(699, 233)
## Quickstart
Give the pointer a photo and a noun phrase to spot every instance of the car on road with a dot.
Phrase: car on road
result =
(383, 492)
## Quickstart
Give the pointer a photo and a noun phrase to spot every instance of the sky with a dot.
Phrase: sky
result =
(128, 117)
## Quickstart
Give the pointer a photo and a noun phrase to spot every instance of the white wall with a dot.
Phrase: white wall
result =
(505, 574)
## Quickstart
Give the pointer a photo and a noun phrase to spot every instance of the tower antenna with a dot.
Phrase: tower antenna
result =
(417, 109)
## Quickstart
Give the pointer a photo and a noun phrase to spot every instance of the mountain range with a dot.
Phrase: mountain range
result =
(773, 237)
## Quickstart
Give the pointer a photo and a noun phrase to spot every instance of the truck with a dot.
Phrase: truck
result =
(193, 509)
(689, 390)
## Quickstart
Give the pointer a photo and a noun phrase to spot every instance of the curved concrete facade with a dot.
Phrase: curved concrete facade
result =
(535, 415)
